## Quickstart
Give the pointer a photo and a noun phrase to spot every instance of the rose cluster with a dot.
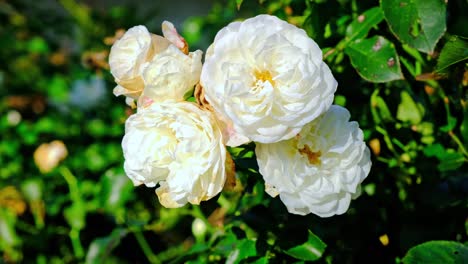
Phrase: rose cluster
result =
(263, 80)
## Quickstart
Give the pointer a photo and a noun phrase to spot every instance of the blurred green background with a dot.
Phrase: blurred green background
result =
(56, 103)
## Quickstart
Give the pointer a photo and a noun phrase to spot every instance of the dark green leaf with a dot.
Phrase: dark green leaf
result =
(464, 126)
(375, 59)
(314, 24)
(311, 250)
(361, 26)
(419, 23)
(454, 51)
(116, 190)
(437, 252)
(451, 161)
(262, 260)
(101, 247)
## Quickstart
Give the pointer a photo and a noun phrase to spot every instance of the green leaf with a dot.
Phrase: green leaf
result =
(101, 247)
(454, 51)
(464, 126)
(37, 45)
(434, 150)
(361, 26)
(375, 59)
(419, 23)
(451, 124)
(314, 24)
(239, 3)
(383, 112)
(245, 248)
(311, 250)
(262, 260)
(409, 110)
(76, 215)
(451, 161)
(437, 252)
(116, 190)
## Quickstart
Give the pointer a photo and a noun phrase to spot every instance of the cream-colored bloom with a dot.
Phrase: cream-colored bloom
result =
(320, 170)
(267, 77)
(170, 33)
(128, 58)
(156, 66)
(171, 75)
(178, 146)
(48, 155)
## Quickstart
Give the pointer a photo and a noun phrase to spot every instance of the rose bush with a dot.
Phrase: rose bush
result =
(178, 146)
(267, 77)
(320, 170)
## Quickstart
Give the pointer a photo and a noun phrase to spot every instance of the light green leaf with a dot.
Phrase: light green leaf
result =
(361, 26)
(375, 59)
(37, 45)
(76, 215)
(239, 3)
(451, 124)
(409, 110)
(383, 112)
(419, 23)
(454, 51)
(311, 250)
(32, 189)
(244, 249)
(437, 252)
(434, 150)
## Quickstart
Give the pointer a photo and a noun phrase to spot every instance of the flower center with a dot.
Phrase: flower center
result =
(260, 78)
(313, 157)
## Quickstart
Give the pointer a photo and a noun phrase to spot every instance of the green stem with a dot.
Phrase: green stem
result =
(452, 135)
(76, 243)
(459, 143)
(145, 247)
(72, 183)
(75, 196)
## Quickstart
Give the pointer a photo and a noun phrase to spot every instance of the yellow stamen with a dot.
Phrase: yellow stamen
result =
(313, 157)
(263, 76)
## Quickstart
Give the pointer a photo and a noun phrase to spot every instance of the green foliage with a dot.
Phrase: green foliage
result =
(375, 59)
(402, 73)
(311, 250)
(437, 252)
(454, 51)
(419, 23)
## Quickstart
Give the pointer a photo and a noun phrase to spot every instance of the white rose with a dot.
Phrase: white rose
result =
(171, 75)
(141, 61)
(128, 58)
(267, 77)
(179, 146)
(320, 170)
